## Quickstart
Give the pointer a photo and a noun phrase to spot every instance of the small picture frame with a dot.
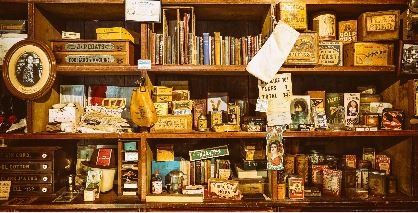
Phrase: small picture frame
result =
(408, 57)
(29, 69)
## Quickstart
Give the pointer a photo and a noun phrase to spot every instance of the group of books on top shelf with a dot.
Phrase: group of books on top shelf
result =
(316, 175)
(207, 175)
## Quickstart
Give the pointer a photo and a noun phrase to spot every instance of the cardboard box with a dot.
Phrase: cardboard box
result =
(325, 24)
(347, 31)
(379, 26)
(330, 53)
(161, 108)
(368, 54)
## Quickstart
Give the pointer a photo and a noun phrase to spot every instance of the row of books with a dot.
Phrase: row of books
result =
(203, 50)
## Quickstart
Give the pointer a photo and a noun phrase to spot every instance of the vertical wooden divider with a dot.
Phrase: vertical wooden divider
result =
(142, 167)
(273, 185)
(119, 151)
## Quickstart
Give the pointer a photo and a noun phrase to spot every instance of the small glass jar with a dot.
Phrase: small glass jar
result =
(202, 123)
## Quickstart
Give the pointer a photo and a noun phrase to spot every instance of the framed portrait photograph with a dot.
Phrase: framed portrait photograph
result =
(29, 69)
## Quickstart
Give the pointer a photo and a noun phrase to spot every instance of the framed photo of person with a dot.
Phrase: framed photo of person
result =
(29, 69)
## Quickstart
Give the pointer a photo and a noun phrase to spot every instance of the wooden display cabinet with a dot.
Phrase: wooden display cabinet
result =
(47, 18)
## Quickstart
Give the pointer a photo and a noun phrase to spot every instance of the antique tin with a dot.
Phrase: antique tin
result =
(364, 164)
(349, 178)
(182, 107)
(215, 118)
(352, 109)
(330, 53)
(281, 191)
(296, 188)
(293, 13)
(347, 32)
(364, 178)
(392, 189)
(325, 24)
(317, 174)
(165, 152)
(368, 54)
(305, 50)
(289, 164)
(302, 166)
(199, 106)
(173, 123)
(332, 161)
(162, 90)
(161, 108)
(254, 165)
(317, 100)
(316, 158)
(369, 155)
(370, 119)
(251, 186)
(409, 57)
(392, 119)
(253, 124)
(234, 115)
(202, 123)
(332, 182)
(253, 151)
(349, 161)
(181, 95)
(335, 110)
(383, 164)
(379, 26)
(377, 183)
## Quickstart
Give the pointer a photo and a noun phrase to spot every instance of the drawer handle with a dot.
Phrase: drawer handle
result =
(45, 166)
(45, 179)
(44, 189)
(44, 155)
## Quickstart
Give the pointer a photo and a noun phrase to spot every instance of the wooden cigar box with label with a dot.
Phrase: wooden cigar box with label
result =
(173, 123)
(368, 54)
(305, 50)
(93, 52)
(33, 170)
(379, 26)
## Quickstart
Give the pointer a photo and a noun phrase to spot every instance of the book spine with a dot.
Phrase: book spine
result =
(201, 54)
(197, 50)
(249, 43)
(161, 49)
(206, 49)
(212, 50)
(181, 45)
(192, 173)
(168, 50)
(173, 50)
(198, 172)
(227, 50)
(217, 48)
(190, 49)
(232, 49)
(237, 51)
(152, 48)
(157, 49)
(186, 38)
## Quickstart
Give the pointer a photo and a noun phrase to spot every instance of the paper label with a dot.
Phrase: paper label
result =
(144, 64)
(143, 10)
(381, 23)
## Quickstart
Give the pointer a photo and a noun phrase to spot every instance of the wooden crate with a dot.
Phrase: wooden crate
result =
(368, 54)
(379, 26)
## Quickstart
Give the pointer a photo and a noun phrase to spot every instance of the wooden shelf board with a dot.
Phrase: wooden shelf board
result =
(220, 70)
(194, 2)
(288, 134)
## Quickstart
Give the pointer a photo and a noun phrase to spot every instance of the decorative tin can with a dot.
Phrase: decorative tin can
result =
(296, 188)
(234, 114)
(409, 57)
(317, 174)
(364, 164)
(281, 191)
(253, 124)
(352, 108)
(371, 119)
(302, 166)
(305, 50)
(349, 178)
(316, 158)
(332, 161)
(349, 161)
(202, 123)
(330, 53)
(392, 119)
(358, 179)
(369, 155)
(289, 164)
(332, 182)
(379, 26)
(383, 163)
(325, 24)
(215, 118)
(294, 14)
(364, 178)
(392, 189)
(347, 31)
(377, 183)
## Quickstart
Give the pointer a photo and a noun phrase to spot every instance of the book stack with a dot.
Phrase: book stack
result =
(129, 168)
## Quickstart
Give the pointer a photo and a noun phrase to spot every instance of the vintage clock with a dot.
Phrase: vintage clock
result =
(29, 69)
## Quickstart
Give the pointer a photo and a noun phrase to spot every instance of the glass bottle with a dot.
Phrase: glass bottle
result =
(156, 183)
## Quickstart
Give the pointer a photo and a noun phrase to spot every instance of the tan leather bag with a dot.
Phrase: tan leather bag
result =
(142, 108)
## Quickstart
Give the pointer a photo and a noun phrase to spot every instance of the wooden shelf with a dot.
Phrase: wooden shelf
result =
(221, 70)
(201, 135)
(194, 2)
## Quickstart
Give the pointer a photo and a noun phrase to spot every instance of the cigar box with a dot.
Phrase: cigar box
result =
(379, 26)
(293, 13)
(93, 52)
(173, 123)
(305, 50)
(114, 33)
(33, 170)
(368, 54)
(161, 108)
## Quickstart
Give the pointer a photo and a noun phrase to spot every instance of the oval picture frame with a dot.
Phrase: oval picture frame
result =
(29, 69)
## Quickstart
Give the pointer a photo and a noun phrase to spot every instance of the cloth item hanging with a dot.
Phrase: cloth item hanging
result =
(274, 52)
(143, 112)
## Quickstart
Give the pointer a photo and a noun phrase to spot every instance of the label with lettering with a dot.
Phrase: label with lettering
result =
(89, 59)
(410, 59)
(173, 123)
(296, 188)
(208, 153)
(21, 155)
(90, 46)
(330, 53)
(294, 14)
(332, 182)
(5, 190)
(372, 54)
(347, 31)
(31, 189)
(224, 189)
(305, 50)
(29, 166)
(378, 23)
(26, 178)
(325, 25)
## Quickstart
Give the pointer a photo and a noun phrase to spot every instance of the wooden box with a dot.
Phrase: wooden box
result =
(33, 170)
(93, 52)
(293, 13)
(162, 90)
(305, 50)
(182, 107)
(330, 53)
(165, 152)
(114, 33)
(379, 26)
(368, 54)
(173, 123)
(347, 31)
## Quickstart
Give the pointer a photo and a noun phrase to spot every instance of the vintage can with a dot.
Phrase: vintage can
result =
(316, 158)
(377, 183)
(325, 24)
(409, 57)
(368, 54)
(332, 161)
(289, 164)
(281, 191)
(349, 162)
(392, 183)
(364, 178)
(330, 53)
(358, 179)
(296, 188)
(305, 51)
(370, 119)
(318, 174)
(369, 155)
(352, 108)
(347, 31)
(202, 123)
(379, 26)
(302, 166)
(392, 119)
(364, 164)
(349, 178)
(383, 163)
(215, 118)
(293, 13)
(332, 182)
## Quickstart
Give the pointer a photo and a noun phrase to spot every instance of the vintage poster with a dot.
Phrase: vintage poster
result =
(275, 149)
